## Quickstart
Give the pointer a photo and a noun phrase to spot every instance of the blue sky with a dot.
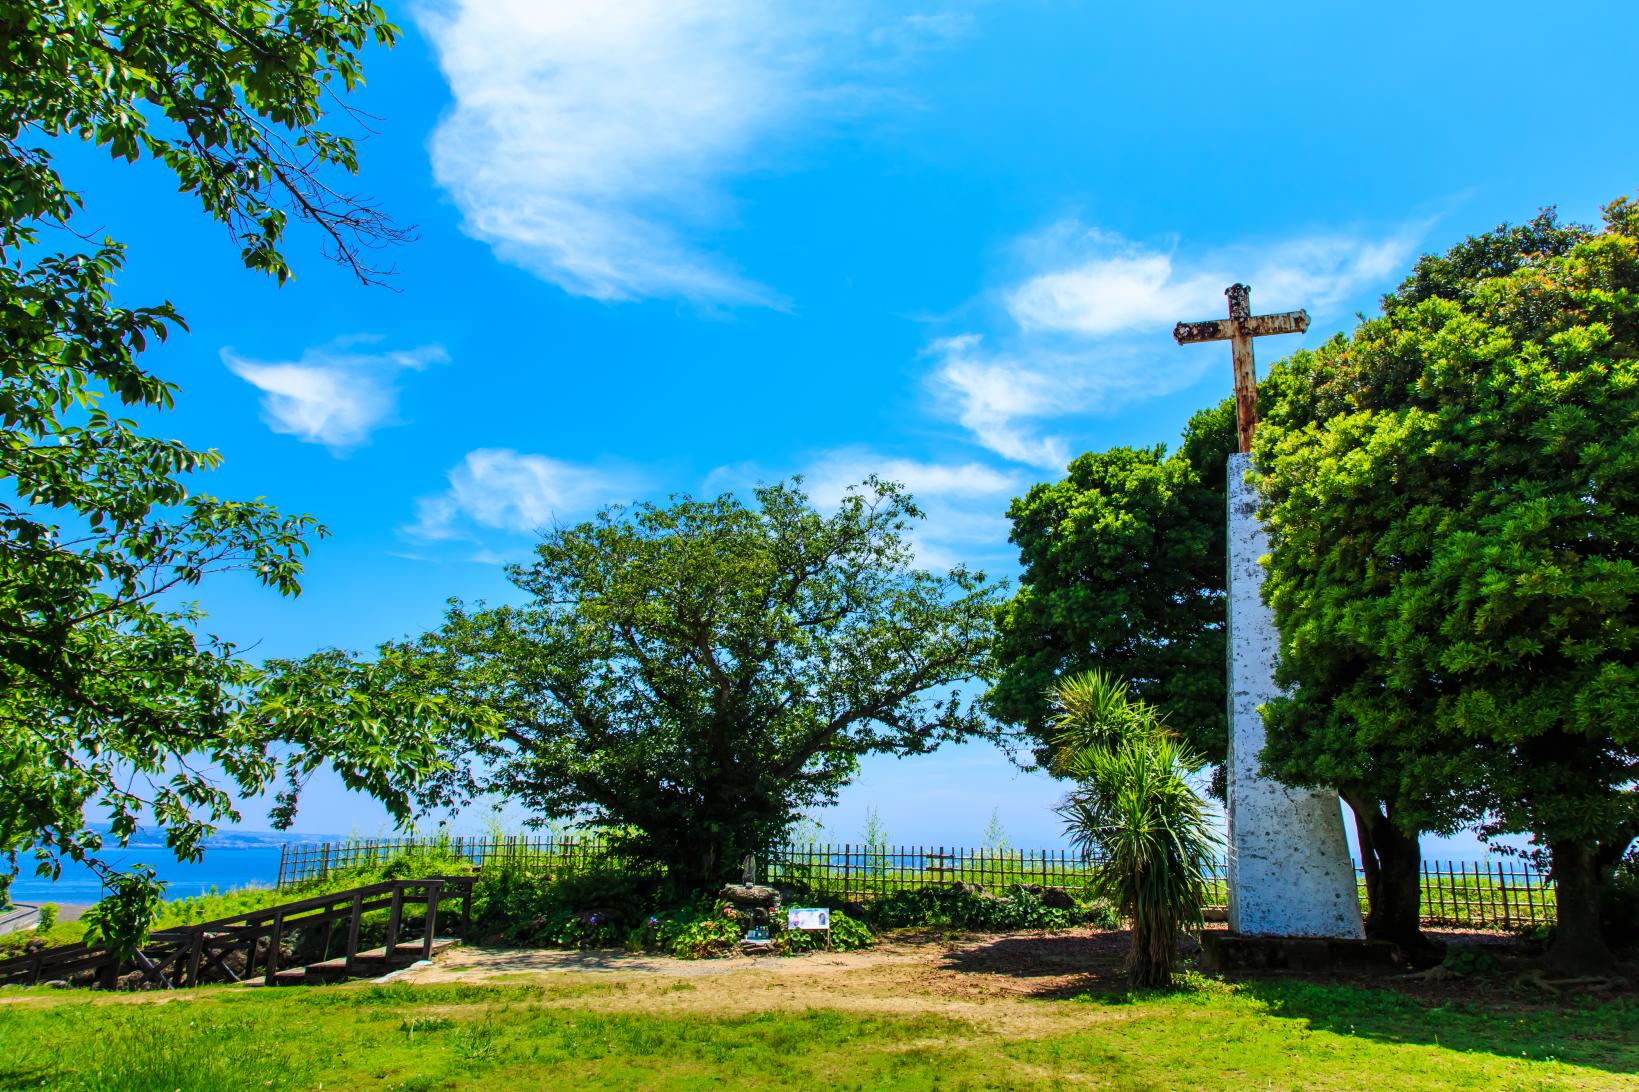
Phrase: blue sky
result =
(675, 246)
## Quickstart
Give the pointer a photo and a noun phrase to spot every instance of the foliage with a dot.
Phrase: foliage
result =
(111, 697)
(1467, 960)
(1134, 808)
(847, 935)
(1453, 500)
(48, 918)
(1619, 908)
(121, 920)
(589, 905)
(959, 906)
(700, 932)
(1123, 571)
(690, 677)
(995, 837)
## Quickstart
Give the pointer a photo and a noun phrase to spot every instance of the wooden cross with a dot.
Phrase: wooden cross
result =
(1239, 329)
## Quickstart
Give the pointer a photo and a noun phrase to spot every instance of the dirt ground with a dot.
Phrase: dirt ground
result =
(965, 975)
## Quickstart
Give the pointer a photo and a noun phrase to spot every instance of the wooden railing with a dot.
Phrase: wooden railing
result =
(184, 955)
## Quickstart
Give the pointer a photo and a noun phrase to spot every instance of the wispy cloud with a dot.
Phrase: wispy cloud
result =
(965, 502)
(499, 489)
(332, 395)
(593, 144)
(1084, 330)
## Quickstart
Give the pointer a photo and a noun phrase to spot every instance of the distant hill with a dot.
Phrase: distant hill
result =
(224, 839)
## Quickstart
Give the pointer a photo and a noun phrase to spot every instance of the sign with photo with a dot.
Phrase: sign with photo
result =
(814, 918)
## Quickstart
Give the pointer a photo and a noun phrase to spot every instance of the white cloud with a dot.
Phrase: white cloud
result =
(965, 502)
(498, 489)
(1086, 330)
(593, 143)
(331, 395)
(581, 133)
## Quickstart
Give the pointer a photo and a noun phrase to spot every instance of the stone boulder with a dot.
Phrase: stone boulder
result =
(1057, 898)
(751, 896)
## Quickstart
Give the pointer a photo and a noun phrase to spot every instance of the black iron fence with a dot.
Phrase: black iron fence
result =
(1496, 894)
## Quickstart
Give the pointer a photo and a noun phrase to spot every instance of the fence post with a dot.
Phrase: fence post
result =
(274, 940)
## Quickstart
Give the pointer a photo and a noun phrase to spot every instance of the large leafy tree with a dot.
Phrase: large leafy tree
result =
(690, 676)
(111, 698)
(1124, 573)
(1453, 497)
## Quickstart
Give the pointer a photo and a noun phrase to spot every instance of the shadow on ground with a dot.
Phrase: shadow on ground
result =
(1496, 1014)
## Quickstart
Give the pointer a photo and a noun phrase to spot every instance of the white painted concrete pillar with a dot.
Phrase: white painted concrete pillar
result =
(1289, 867)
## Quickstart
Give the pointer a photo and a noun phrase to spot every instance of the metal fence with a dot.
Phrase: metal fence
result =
(1497, 894)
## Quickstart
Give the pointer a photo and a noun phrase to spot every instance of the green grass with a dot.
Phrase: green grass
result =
(563, 1035)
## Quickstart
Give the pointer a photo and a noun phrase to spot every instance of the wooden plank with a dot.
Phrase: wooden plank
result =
(275, 938)
(394, 915)
(430, 926)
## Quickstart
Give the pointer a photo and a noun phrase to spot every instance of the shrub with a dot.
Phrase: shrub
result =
(573, 906)
(698, 932)
(962, 908)
(1619, 904)
(48, 918)
(847, 935)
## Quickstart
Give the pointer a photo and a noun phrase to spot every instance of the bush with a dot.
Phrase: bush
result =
(1619, 904)
(570, 906)
(963, 908)
(847, 935)
(48, 918)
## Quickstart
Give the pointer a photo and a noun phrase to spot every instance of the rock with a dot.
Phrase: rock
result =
(604, 916)
(963, 888)
(751, 895)
(57, 984)
(1057, 898)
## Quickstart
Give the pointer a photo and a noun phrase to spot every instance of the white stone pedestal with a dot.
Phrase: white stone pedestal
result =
(1289, 868)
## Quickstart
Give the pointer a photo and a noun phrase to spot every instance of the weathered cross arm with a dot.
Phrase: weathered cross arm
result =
(1239, 329)
(1287, 322)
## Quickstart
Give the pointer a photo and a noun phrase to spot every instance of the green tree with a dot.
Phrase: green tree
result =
(111, 698)
(1453, 500)
(692, 676)
(1124, 571)
(1135, 810)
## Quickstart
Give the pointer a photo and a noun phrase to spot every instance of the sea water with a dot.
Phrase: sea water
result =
(223, 867)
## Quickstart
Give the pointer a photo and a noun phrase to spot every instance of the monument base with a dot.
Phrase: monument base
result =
(1229, 952)
(1289, 868)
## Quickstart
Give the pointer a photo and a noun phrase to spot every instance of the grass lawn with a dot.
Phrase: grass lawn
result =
(899, 1023)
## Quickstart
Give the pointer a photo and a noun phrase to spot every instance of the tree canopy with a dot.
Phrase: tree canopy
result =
(690, 676)
(1124, 572)
(112, 699)
(1453, 501)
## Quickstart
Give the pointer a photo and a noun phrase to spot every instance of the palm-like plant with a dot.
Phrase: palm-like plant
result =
(1135, 809)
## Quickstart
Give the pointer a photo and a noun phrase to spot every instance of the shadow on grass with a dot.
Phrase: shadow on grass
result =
(1600, 1034)
(1477, 1016)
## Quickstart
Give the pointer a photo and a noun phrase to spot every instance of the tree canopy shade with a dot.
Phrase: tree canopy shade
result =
(690, 676)
(110, 696)
(1453, 501)
(1124, 572)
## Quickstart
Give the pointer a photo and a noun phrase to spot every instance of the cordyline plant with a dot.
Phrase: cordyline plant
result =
(1135, 810)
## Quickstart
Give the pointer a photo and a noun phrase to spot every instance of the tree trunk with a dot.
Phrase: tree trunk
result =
(1578, 948)
(1392, 861)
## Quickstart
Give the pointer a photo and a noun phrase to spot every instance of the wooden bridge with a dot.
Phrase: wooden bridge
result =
(249, 947)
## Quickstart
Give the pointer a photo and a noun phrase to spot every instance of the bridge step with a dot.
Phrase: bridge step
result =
(373, 962)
